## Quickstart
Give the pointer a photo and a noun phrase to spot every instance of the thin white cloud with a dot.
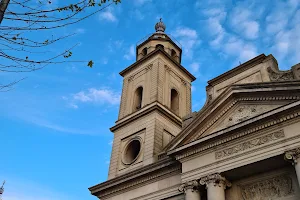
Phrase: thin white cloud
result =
(185, 32)
(216, 17)
(108, 16)
(193, 88)
(283, 30)
(80, 30)
(195, 67)
(114, 45)
(243, 21)
(188, 38)
(137, 14)
(101, 96)
(141, 2)
(240, 49)
(130, 55)
(16, 189)
(227, 43)
(286, 43)
(56, 127)
(73, 105)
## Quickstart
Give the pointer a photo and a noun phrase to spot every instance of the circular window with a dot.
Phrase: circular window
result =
(131, 151)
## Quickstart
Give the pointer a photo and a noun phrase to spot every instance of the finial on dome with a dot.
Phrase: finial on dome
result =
(160, 26)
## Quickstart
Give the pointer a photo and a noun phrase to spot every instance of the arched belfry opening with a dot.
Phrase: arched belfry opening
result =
(175, 101)
(144, 51)
(173, 53)
(160, 46)
(138, 98)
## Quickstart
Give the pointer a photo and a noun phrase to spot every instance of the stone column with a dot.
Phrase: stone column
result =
(215, 185)
(191, 190)
(293, 156)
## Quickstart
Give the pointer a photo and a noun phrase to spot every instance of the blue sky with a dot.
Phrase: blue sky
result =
(54, 126)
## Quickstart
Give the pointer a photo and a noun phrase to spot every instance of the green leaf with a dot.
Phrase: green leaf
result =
(90, 64)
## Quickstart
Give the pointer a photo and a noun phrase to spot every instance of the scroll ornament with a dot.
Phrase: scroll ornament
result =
(216, 180)
(292, 155)
(192, 185)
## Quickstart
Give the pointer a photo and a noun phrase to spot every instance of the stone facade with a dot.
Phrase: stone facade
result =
(244, 144)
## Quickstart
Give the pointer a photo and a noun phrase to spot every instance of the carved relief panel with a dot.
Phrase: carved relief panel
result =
(274, 185)
(296, 71)
(242, 113)
(273, 188)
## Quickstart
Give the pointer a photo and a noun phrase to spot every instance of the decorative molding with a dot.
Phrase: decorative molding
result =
(146, 69)
(167, 68)
(249, 78)
(280, 76)
(200, 148)
(170, 71)
(190, 185)
(271, 189)
(250, 144)
(296, 71)
(149, 67)
(134, 179)
(216, 179)
(292, 155)
(212, 121)
(244, 112)
(237, 70)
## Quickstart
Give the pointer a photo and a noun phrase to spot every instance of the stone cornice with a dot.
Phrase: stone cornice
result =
(143, 175)
(279, 91)
(274, 117)
(243, 67)
(145, 110)
(153, 53)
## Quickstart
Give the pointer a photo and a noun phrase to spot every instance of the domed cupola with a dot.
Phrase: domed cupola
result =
(159, 40)
(160, 26)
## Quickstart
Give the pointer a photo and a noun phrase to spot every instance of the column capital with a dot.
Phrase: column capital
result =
(292, 155)
(189, 185)
(216, 179)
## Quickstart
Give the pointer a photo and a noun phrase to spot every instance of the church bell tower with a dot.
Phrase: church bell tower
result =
(156, 95)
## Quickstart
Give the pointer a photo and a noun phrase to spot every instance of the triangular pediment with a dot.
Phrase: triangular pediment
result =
(242, 111)
(239, 103)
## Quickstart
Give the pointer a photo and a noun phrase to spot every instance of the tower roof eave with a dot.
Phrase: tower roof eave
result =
(131, 67)
(141, 43)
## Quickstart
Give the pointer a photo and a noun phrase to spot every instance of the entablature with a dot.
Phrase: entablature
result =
(153, 172)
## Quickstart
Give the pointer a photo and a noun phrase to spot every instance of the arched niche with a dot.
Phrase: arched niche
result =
(175, 101)
(144, 51)
(138, 98)
(173, 53)
(160, 46)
